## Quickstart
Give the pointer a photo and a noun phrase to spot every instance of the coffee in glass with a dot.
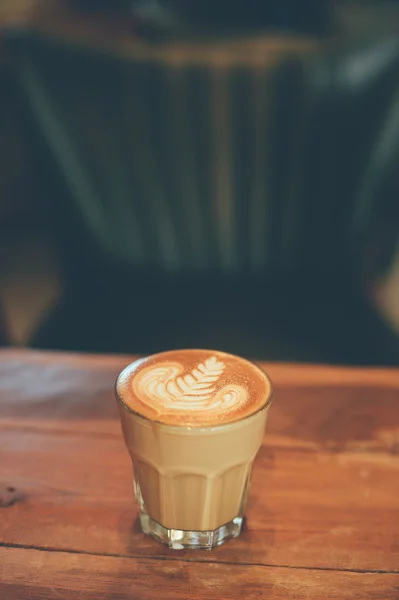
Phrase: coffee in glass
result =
(193, 422)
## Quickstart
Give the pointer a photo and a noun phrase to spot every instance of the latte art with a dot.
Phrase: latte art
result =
(193, 388)
(166, 388)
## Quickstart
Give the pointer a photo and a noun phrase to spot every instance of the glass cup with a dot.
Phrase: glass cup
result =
(191, 483)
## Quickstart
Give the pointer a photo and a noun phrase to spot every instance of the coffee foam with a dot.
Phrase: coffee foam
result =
(193, 387)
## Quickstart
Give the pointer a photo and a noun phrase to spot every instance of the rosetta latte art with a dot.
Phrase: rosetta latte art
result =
(166, 388)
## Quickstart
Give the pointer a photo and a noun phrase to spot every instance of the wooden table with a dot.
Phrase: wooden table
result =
(323, 519)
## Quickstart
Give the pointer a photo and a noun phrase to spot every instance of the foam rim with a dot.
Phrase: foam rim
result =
(196, 427)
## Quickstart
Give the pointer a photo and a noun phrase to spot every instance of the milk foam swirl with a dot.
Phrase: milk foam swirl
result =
(167, 389)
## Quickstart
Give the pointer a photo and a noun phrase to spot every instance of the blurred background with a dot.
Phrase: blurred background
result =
(194, 173)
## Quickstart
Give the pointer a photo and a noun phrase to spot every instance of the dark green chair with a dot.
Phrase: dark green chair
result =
(219, 195)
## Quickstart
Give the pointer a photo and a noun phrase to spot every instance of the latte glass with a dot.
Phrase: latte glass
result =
(191, 482)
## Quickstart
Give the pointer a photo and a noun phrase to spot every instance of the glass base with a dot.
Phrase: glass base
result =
(178, 539)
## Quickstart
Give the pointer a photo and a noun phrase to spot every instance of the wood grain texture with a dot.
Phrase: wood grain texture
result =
(38, 575)
(323, 518)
